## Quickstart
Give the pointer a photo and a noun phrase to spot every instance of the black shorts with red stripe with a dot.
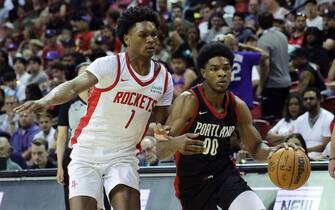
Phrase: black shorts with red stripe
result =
(208, 192)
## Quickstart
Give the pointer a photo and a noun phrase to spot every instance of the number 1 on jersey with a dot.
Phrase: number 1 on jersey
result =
(130, 119)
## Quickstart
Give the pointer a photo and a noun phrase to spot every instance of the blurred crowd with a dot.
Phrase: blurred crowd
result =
(284, 66)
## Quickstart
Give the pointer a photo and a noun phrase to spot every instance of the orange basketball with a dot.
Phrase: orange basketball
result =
(288, 168)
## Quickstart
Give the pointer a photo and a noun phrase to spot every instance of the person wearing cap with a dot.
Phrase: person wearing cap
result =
(51, 43)
(308, 73)
(313, 18)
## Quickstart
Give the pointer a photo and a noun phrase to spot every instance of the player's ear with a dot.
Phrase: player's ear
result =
(126, 39)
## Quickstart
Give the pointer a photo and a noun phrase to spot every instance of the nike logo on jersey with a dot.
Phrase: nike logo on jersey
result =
(201, 113)
(124, 80)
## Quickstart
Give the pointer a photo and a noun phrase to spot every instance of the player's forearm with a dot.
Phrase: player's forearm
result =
(60, 94)
(261, 152)
(165, 149)
(61, 144)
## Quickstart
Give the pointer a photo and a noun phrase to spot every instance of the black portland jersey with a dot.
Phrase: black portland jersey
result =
(215, 129)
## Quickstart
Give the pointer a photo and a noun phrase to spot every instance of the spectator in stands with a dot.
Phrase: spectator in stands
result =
(194, 42)
(206, 11)
(251, 20)
(2, 100)
(23, 136)
(313, 18)
(111, 18)
(5, 149)
(58, 77)
(33, 92)
(328, 20)
(314, 124)
(22, 75)
(274, 78)
(12, 88)
(182, 76)
(308, 73)
(51, 43)
(297, 37)
(316, 53)
(4, 64)
(35, 69)
(148, 146)
(40, 155)
(48, 132)
(9, 121)
(81, 23)
(275, 7)
(297, 139)
(241, 83)
(293, 109)
(240, 31)
(216, 25)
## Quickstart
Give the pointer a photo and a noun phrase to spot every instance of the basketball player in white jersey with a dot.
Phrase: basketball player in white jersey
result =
(127, 88)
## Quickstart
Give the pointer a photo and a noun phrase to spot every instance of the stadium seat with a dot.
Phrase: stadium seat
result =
(256, 111)
(329, 104)
(262, 126)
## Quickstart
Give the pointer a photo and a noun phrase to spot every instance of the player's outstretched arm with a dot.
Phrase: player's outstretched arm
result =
(60, 94)
(250, 137)
(181, 113)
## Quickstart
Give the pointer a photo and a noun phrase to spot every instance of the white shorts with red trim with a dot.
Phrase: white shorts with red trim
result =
(88, 179)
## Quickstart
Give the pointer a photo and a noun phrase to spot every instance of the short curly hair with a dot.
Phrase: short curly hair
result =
(212, 50)
(132, 16)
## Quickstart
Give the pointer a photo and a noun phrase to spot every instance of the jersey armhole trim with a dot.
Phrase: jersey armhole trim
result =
(237, 111)
(117, 77)
(166, 81)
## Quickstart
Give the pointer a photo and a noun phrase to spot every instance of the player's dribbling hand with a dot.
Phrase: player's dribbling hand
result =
(187, 145)
(331, 168)
(60, 175)
(31, 106)
(286, 146)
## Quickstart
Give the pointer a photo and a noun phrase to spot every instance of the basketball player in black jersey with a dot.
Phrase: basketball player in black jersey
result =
(206, 177)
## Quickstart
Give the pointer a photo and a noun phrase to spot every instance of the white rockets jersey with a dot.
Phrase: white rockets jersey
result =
(119, 108)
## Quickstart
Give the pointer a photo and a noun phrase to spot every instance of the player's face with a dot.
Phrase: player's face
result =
(217, 73)
(142, 39)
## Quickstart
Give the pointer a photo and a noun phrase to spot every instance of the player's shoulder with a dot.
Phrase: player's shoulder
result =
(186, 98)
(105, 60)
